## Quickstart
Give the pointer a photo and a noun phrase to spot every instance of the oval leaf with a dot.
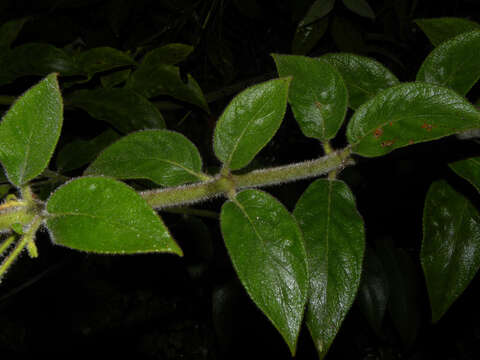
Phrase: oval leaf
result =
(450, 253)
(307, 36)
(164, 157)
(360, 7)
(334, 240)
(454, 63)
(266, 248)
(102, 59)
(102, 215)
(440, 29)
(170, 54)
(317, 94)
(364, 77)
(317, 10)
(249, 122)
(29, 131)
(407, 114)
(125, 110)
(469, 169)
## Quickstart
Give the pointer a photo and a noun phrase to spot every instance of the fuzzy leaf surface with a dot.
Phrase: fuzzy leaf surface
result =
(249, 122)
(165, 157)
(364, 77)
(440, 29)
(29, 131)
(334, 238)
(102, 215)
(450, 253)
(407, 114)
(318, 95)
(125, 110)
(267, 251)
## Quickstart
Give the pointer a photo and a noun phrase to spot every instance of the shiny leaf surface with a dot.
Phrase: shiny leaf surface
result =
(450, 253)
(440, 29)
(317, 95)
(454, 63)
(267, 251)
(125, 110)
(102, 215)
(164, 157)
(469, 169)
(30, 130)
(335, 241)
(407, 114)
(364, 77)
(249, 122)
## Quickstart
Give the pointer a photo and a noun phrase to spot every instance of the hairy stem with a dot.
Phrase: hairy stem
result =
(224, 184)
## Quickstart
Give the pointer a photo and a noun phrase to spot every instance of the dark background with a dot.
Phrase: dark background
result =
(75, 304)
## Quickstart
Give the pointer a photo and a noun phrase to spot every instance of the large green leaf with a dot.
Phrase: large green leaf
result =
(102, 59)
(123, 109)
(407, 114)
(454, 63)
(102, 215)
(317, 95)
(267, 251)
(363, 76)
(154, 79)
(469, 169)
(29, 131)
(335, 241)
(450, 252)
(81, 152)
(440, 29)
(360, 7)
(249, 122)
(165, 157)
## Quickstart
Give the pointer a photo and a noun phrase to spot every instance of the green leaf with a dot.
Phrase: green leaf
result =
(450, 253)
(469, 169)
(440, 29)
(307, 36)
(81, 152)
(267, 251)
(152, 80)
(360, 7)
(374, 291)
(102, 59)
(334, 240)
(9, 32)
(454, 63)
(407, 114)
(317, 10)
(123, 109)
(102, 215)
(30, 130)
(164, 157)
(363, 76)
(115, 79)
(249, 122)
(317, 94)
(170, 54)
(347, 35)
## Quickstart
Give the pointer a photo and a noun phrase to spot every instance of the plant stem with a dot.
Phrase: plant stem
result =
(222, 185)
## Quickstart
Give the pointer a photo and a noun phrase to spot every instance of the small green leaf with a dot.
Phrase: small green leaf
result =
(407, 114)
(102, 215)
(249, 122)
(469, 169)
(440, 29)
(152, 80)
(364, 77)
(30, 130)
(335, 241)
(81, 152)
(170, 54)
(115, 79)
(317, 10)
(267, 251)
(360, 7)
(123, 109)
(307, 36)
(164, 157)
(450, 253)
(102, 59)
(454, 63)
(9, 32)
(317, 94)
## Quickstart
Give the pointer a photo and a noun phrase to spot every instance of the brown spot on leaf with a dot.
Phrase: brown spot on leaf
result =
(411, 142)
(390, 123)
(378, 132)
(387, 143)
(318, 105)
(427, 127)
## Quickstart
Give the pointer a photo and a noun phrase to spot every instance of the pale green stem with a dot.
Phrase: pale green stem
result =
(6, 243)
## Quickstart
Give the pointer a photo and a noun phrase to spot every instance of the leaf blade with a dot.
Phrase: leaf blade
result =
(439, 30)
